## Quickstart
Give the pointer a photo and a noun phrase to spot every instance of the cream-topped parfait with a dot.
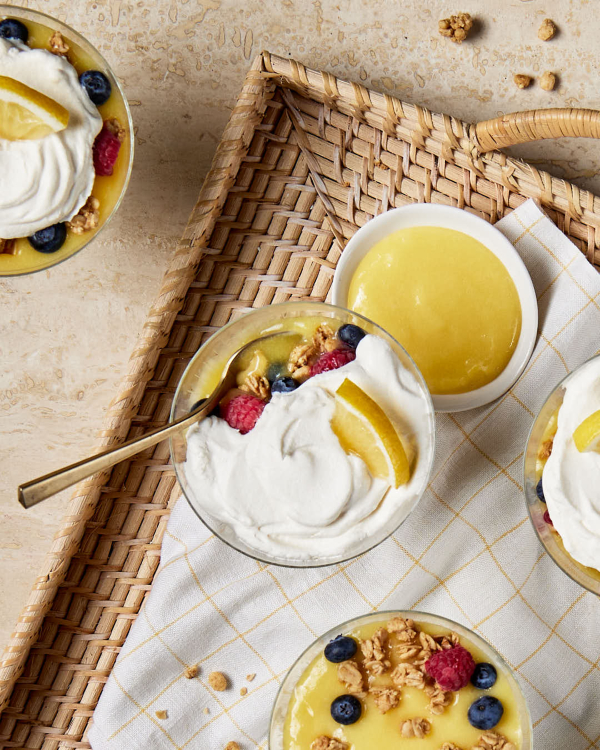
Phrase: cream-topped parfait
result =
(320, 452)
(400, 680)
(568, 467)
(64, 142)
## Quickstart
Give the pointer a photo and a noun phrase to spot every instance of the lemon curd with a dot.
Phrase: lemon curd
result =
(447, 299)
(308, 715)
(107, 189)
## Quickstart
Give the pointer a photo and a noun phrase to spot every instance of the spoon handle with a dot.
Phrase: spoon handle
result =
(33, 492)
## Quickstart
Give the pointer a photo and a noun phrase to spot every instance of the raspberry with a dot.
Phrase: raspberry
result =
(547, 518)
(106, 150)
(242, 412)
(451, 669)
(332, 360)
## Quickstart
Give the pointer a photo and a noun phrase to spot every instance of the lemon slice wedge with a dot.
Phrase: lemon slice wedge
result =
(587, 436)
(363, 428)
(27, 114)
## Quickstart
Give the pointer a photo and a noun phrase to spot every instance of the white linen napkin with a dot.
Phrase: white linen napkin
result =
(467, 552)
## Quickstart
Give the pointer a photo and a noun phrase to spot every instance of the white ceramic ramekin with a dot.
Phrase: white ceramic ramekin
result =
(429, 214)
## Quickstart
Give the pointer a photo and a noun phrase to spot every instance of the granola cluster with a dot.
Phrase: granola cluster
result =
(327, 743)
(57, 45)
(87, 218)
(456, 27)
(493, 741)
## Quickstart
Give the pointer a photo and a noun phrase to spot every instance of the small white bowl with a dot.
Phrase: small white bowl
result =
(429, 214)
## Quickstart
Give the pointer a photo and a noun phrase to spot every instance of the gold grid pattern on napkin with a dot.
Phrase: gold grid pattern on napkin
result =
(468, 552)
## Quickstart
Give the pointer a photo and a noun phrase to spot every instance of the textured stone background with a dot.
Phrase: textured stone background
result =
(66, 334)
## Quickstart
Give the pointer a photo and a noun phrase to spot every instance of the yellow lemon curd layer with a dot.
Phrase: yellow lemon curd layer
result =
(447, 299)
(309, 715)
(106, 189)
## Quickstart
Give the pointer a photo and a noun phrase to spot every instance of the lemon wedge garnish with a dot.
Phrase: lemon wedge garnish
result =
(26, 114)
(587, 436)
(363, 428)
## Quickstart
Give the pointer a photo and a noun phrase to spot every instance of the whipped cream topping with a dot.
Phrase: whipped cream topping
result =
(287, 488)
(571, 479)
(47, 180)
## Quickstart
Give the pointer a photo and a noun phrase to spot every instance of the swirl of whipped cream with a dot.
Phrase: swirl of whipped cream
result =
(571, 479)
(288, 488)
(46, 180)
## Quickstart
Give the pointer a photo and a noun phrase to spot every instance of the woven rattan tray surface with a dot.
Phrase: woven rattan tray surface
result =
(305, 159)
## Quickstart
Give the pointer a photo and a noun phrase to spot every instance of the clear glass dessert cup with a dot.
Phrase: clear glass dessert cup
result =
(549, 538)
(84, 51)
(286, 691)
(218, 348)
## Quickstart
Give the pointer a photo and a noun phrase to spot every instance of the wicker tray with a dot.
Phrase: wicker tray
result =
(305, 159)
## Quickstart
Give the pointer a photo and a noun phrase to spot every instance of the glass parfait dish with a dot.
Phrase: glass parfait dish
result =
(543, 430)
(203, 373)
(296, 721)
(20, 257)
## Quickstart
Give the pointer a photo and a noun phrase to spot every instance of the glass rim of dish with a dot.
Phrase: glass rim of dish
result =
(257, 554)
(291, 680)
(458, 219)
(38, 16)
(561, 558)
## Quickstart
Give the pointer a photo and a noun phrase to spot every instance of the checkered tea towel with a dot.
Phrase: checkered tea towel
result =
(468, 552)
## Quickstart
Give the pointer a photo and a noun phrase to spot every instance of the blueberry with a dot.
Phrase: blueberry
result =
(340, 649)
(346, 709)
(50, 239)
(276, 370)
(351, 335)
(97, 86)
(10, 28)
(485, 712)
(284, 385)
(539, 491)
(484, 676)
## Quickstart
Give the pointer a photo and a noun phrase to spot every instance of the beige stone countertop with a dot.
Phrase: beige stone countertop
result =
(66, 333)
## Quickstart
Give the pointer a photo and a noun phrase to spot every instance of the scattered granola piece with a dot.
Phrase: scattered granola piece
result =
(375, 652)
(327, 743)
(302, 373)
(385, 698)
(232, 746)
(409, 676)
(217, 681)
(493, 741)
(57, 45)
(300, 356)
(244, 691)
(114, 126)
(406, 651)
(438, 699)
(8, 247)
(206, 710)
(548, 81)
(456, 27)
(324, 339)
(160, 714)
(446, 642)
(191, 672)
(547, 30)
(257, 385)
(415, 728)
(546, 449)
(87, 218)
(522, 81)
(449, 746)
(350, 675)
(250, 677)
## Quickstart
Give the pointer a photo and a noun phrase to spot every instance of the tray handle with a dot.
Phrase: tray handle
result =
(535, 125)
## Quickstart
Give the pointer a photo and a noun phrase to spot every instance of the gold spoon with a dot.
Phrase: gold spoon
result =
(33, 492)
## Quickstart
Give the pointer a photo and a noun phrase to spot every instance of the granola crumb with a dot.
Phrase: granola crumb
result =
(206, 710)
(493, 741)
(385, 698)
(301, 374)
(375, 652)
(244, 691)
(327, 743)
(250, 677)
(232, 746)
(300, 356)
(415, 728)
(257, 385)
(456, 27)
(546, 449)
(548, 81)
(449, 746)
(350, 675)
(57, 45)
(114, 127)
(408, 675)
(547, 30)
(217, 681)
(522, 81)
(8, 247)
(191, 672)
(161, 714)
(324, 339)
(87, 218)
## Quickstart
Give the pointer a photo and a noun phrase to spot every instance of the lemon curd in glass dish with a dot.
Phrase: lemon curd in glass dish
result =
(20, 256)
(447, 299)
(445, 713)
